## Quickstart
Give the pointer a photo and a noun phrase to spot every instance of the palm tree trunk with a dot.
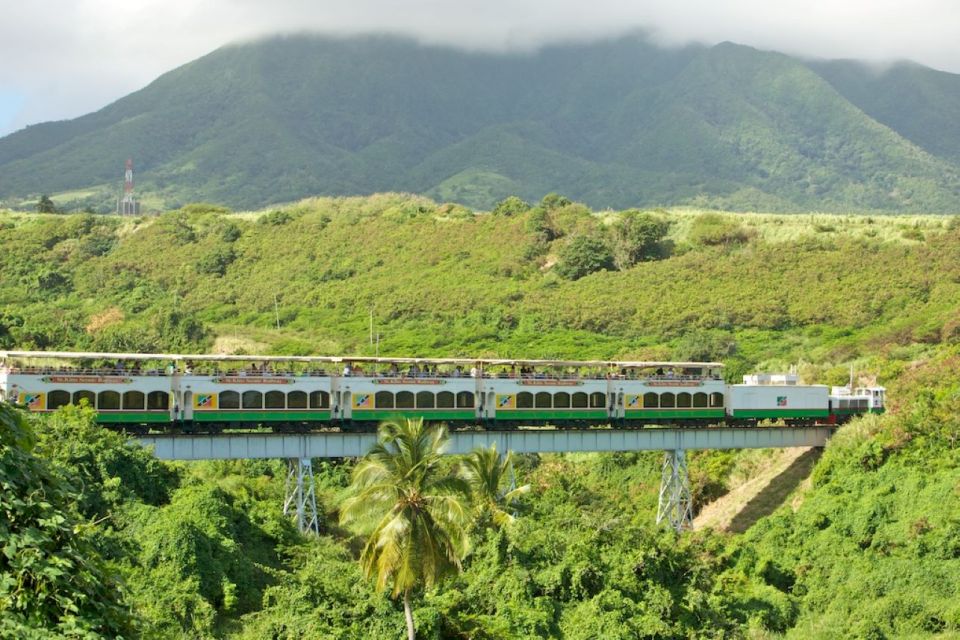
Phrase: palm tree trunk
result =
(411, 633)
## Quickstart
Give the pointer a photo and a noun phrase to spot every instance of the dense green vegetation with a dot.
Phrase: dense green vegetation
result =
(614, 123)
(868, 550)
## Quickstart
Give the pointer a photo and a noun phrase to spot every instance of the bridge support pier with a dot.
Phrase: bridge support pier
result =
(675, 506)
(300, 496)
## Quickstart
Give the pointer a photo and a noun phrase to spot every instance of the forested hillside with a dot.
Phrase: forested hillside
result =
(613, 123)
(869, 548)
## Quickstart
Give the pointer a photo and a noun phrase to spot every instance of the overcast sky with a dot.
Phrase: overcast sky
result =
(60, 59)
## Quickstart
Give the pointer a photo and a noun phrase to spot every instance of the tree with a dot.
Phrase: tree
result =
(45, 205)
(584, 255)
(486, 471)
(413, 511)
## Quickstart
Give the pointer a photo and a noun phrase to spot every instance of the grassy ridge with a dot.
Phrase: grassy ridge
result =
(443, 281)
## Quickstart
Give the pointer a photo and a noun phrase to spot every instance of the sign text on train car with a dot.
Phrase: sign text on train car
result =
(674, 383)
(87, 379)
(252, 380)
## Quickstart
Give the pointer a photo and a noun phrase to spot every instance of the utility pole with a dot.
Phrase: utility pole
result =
(276, 310)
(371, 326)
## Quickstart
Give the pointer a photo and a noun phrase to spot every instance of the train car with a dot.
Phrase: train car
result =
(416, 392)
(778, 397)
(123, 398)
(670, 392)
(846, 402)
(540, 392)
(245, 399)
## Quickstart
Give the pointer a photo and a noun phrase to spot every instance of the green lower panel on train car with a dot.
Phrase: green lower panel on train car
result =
(429, 415)
(856, 412)
(674, 414)
(271, 415)
(780, 413)
(133, 417)
(551, 414)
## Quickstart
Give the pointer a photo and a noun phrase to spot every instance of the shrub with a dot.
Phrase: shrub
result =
(711, 230)
(511, 206)
(216, 262)
(638, 237)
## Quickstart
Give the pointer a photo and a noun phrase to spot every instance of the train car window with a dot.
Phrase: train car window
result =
(228, 400)
(542, 400)
(445, 400)
(465, 400)
(134, 400)
(699, 399)
(383, 400)
(668, 400)
(274, 400)
(561, 400)
(78, 396)
(425, 400)
(716, 399)
(651, 400)
(57, 399)
(405, 400)
(108, 401)
(159, 401)
(579, 400)
(524, 400)
(252, 400)
(684, 400)
(319, 400)
(597, 400)
(297, 400)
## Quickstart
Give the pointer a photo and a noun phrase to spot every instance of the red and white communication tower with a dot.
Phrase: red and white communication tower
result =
(128, 205)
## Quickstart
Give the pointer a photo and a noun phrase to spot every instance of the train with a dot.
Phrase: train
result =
(143, 393)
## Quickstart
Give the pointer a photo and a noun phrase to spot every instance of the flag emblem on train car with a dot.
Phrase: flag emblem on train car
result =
(506, 401)
(362, 401)
(34, 401)
(633, 402)
(205, 401)
(781, 401)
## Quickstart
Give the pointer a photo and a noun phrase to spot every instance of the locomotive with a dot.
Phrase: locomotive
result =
(211, 393)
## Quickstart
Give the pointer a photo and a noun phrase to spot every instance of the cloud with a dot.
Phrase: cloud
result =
(64, 58)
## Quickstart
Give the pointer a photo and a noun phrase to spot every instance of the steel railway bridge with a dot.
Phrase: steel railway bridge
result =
(675, 507)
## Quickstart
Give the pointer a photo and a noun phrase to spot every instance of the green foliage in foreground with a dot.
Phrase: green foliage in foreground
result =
(874, 551)
(52, 579)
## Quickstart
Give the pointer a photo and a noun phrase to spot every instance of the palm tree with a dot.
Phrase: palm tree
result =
(486, 471)
(414, 511)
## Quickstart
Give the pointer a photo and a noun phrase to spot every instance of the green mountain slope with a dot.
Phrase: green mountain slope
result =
(614, 123)
(920, 104)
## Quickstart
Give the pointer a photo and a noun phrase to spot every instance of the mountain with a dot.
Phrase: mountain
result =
(613, 123)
